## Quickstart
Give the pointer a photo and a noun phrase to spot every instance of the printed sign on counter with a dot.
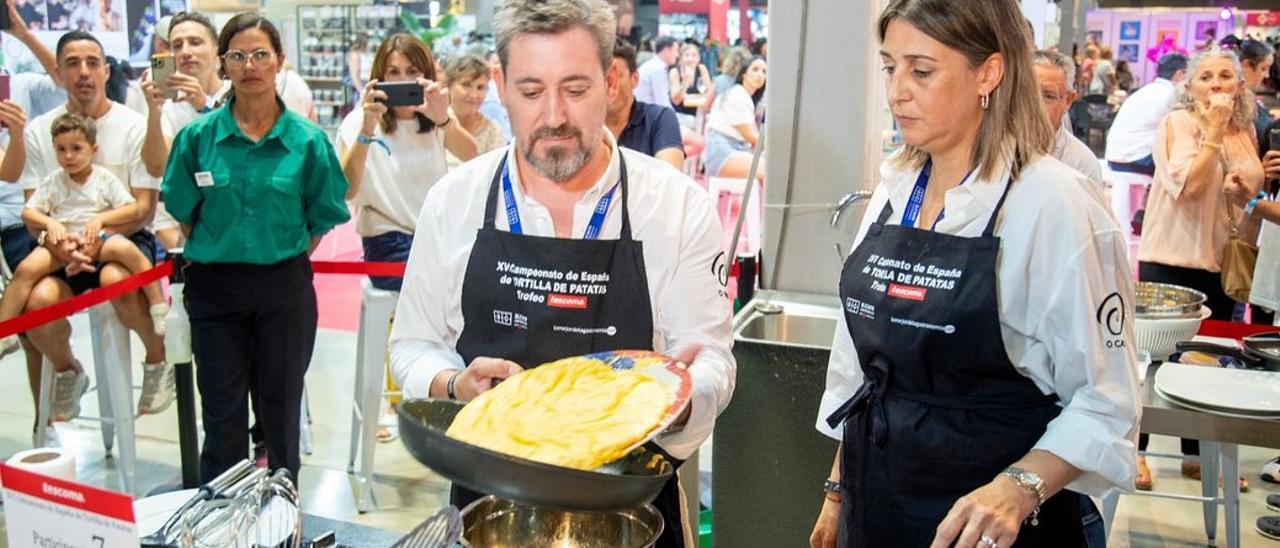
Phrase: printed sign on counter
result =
(43, 511)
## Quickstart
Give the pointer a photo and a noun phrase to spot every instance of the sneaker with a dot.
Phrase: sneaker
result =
(9, 345)
(68, 387)
(158, 312)
(50, 438)
(1273, 503)
(1271, 471)
(1269, 526)
(157, 388)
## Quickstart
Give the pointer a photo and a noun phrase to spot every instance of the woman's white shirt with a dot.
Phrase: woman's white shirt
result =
(734, 109)
(394, 185)
(1062, 263)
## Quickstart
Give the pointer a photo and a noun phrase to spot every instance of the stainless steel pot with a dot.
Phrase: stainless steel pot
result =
(492, 522)
(1164, 301)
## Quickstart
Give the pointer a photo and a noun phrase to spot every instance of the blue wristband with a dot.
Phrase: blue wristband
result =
(360, 138)
(1253, 203)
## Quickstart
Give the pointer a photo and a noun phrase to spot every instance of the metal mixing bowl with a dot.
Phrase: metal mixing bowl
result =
(1157, 301)
(492, 522)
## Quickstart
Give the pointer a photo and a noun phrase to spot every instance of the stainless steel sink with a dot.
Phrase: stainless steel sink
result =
(765, 444)
(806, 321)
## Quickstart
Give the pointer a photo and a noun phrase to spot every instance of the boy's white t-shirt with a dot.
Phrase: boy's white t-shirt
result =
(74, 204)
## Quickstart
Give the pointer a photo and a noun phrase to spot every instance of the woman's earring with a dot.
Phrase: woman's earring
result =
(986, 101)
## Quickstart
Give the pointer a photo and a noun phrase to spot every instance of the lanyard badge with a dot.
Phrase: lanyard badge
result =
(513, 212)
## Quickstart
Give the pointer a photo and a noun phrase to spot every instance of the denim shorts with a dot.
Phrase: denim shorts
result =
(719, 148)
(392, 247)
(1095, 531)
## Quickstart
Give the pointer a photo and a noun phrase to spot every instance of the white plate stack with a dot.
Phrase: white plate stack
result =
(1239, 393)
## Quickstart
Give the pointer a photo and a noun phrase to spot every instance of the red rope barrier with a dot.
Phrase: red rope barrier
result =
(388, 270)
(41, 316)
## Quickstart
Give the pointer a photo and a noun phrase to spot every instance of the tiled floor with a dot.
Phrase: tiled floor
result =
(407, 492)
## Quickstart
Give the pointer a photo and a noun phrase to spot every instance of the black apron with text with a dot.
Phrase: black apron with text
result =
(533, 300)
(942, 410)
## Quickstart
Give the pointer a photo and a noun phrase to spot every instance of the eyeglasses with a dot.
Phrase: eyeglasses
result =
(1051, 97)
(236, 58)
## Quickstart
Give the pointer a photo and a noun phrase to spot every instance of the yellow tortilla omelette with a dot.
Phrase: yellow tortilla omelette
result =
(576, 412)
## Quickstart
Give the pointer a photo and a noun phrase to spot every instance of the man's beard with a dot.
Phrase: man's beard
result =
(558, 163)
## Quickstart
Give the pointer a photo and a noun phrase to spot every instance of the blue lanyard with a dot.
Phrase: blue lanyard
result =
(916, 201)
(513, 213)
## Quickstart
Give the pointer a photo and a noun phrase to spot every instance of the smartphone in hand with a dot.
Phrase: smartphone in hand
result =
(163, 65)
(1273, 137)
(401, 94)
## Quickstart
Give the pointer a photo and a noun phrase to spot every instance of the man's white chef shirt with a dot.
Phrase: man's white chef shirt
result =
(673, 217)
(1078, 156)
(1062, 261)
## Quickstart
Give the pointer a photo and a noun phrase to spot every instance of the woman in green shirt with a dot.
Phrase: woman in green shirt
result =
(255, 188)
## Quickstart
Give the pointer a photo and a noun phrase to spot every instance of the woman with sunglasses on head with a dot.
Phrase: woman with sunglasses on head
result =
(255, 187)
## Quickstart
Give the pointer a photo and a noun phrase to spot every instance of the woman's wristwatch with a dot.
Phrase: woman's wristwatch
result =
(1030, 481)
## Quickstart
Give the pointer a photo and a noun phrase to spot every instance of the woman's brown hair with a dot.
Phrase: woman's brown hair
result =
(419, 56)
(1015, 128)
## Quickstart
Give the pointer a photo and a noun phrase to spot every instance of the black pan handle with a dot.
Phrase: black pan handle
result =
(1220, 350)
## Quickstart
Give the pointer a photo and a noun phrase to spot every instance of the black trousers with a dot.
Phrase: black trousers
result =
(251, 324)
(1221, 306)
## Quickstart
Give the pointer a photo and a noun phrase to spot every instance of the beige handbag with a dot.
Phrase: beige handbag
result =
(1238, 259)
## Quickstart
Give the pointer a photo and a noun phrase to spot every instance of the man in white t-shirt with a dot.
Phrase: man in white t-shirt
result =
(1133, 133)
(1054, 73)
(654, 87)
(195, 88)
(82, 67)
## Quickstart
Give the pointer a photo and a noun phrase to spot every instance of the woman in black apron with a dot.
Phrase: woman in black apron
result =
(622, 314)
(937, 445)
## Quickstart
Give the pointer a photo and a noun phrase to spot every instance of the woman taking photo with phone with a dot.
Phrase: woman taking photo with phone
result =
(982, 378)
(255, 187)
(393, 155)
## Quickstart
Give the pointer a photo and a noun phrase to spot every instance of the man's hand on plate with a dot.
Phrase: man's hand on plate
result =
(481, 375)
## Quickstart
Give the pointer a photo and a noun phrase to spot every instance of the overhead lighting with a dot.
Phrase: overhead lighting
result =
(1225, 14)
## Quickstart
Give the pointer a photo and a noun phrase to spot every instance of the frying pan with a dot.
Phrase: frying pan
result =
(1260, 351)
(631, 481)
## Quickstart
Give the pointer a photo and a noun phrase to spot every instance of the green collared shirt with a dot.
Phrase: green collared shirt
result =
(247, 202)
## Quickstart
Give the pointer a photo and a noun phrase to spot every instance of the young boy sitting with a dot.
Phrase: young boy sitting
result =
(81, 198)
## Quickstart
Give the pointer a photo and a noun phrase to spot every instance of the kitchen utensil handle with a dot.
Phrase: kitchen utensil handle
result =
(227, 479)
(1219, 350)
